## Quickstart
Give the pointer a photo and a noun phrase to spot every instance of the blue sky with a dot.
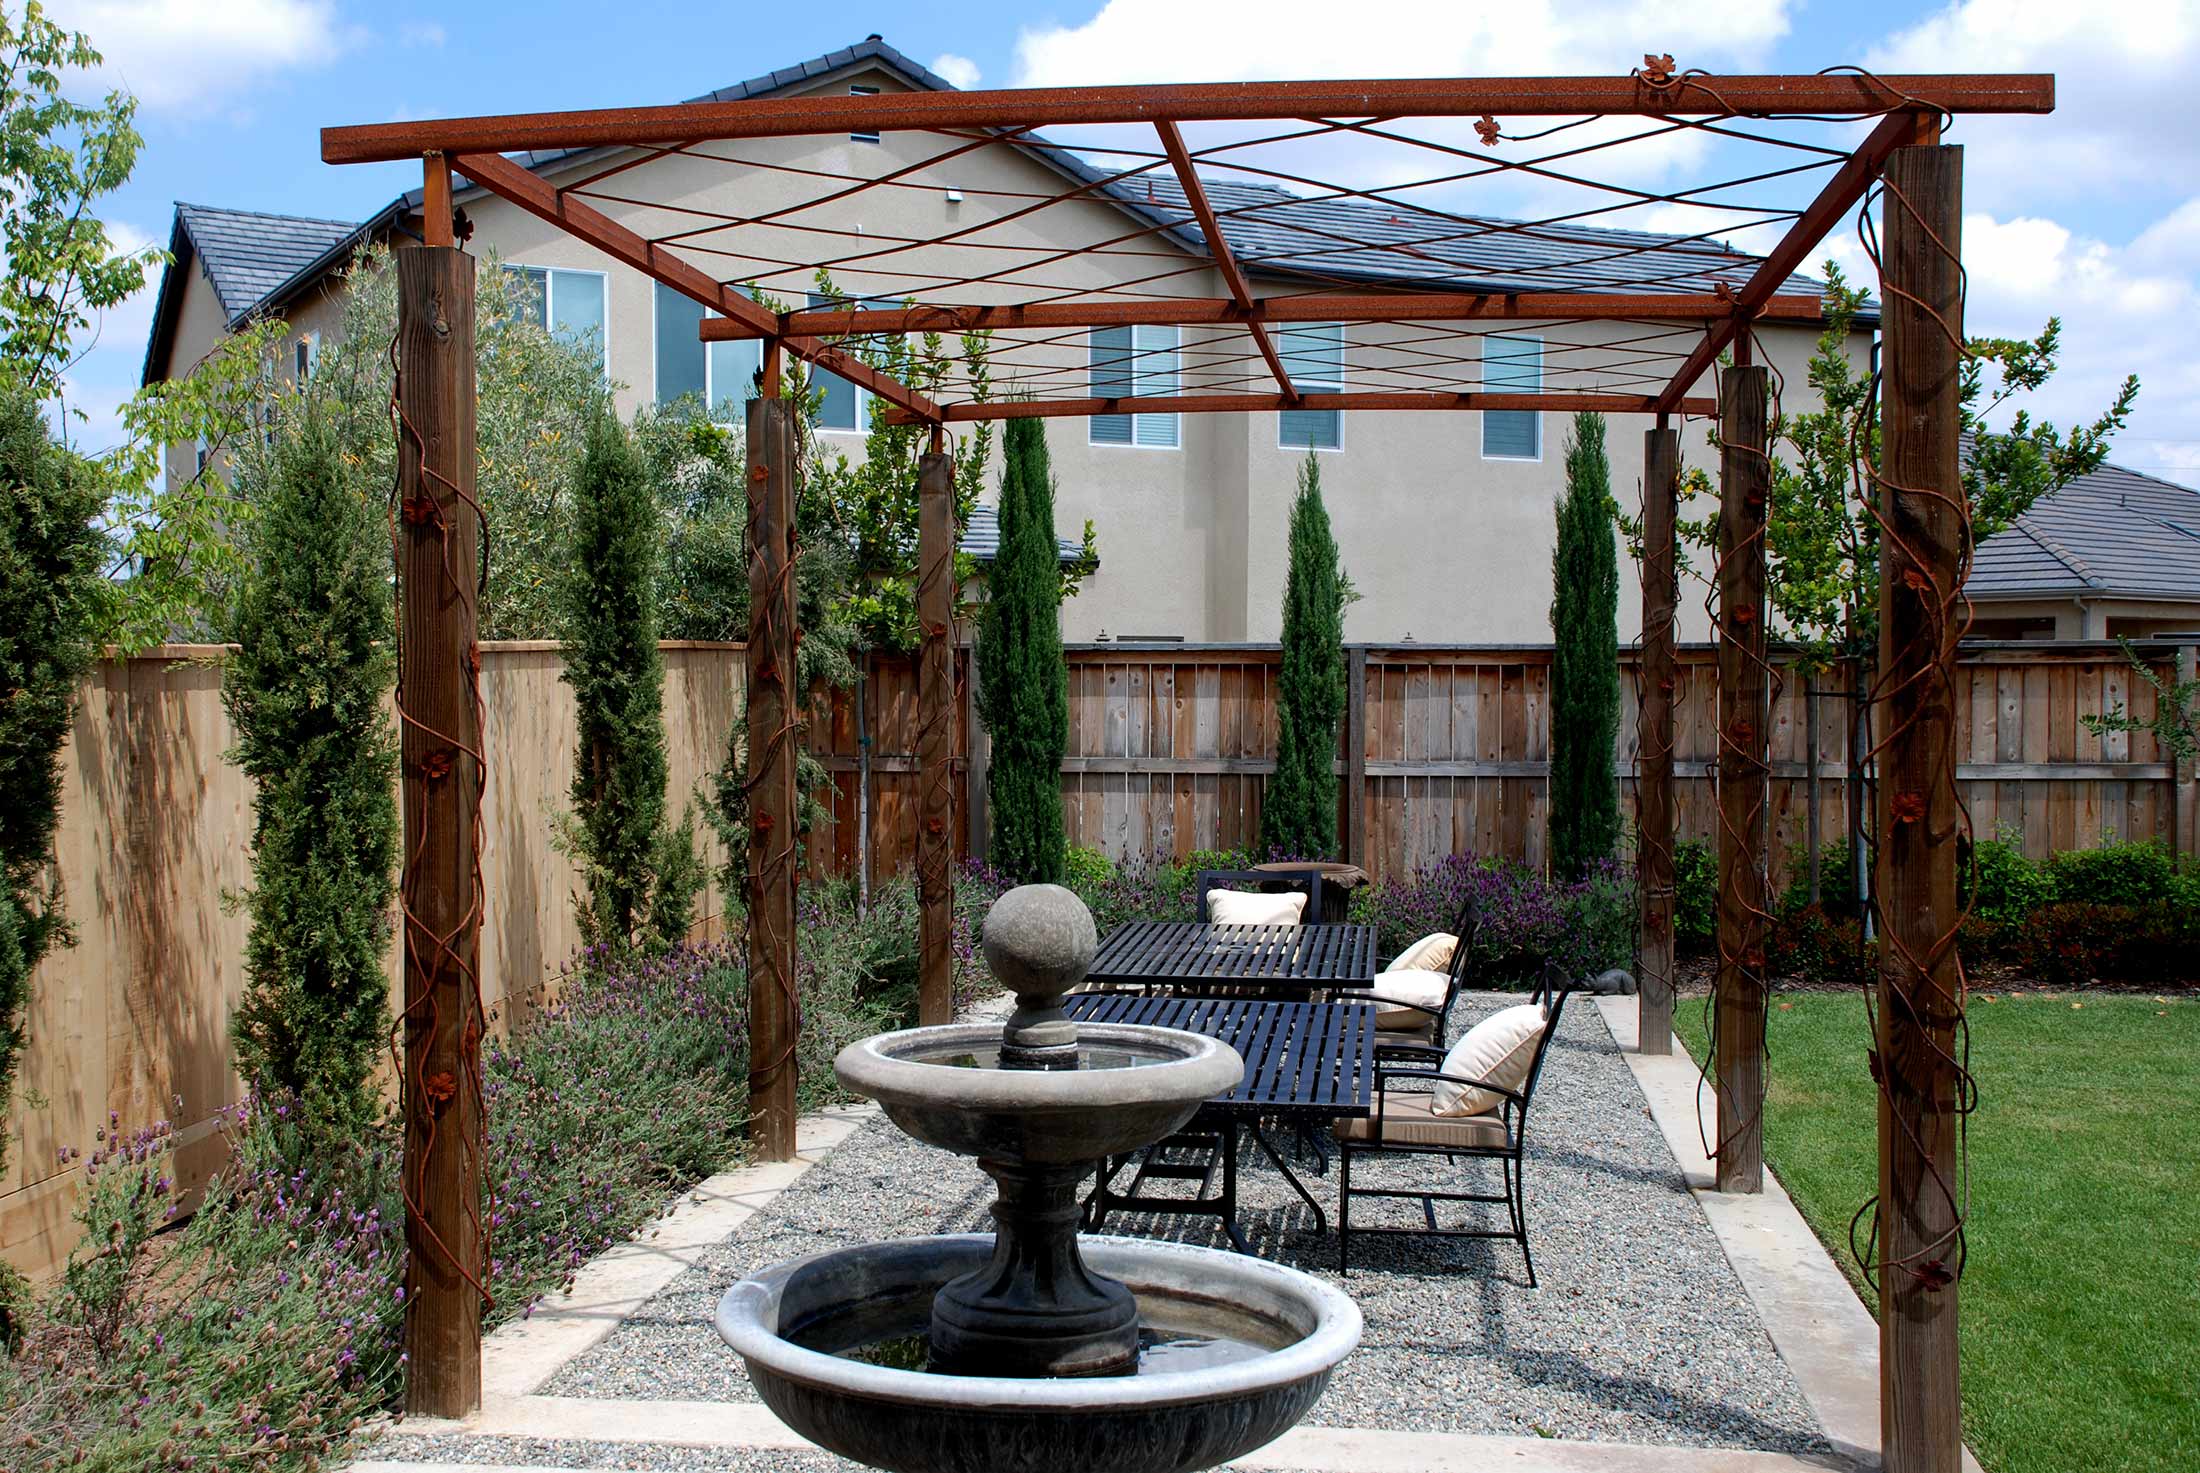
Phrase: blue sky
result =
(2093, 213)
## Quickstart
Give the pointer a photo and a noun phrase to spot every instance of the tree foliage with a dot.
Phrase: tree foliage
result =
(1584, 822)
(1298, 814)
(50, 602)
(1821, 538)
(617, 674)
(1023, 683)
(306, 691)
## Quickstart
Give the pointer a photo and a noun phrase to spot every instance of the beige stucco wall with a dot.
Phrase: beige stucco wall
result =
(2092, 618)
(1443, 544)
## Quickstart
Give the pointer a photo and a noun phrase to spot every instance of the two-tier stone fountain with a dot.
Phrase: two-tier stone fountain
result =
(1035, 1348)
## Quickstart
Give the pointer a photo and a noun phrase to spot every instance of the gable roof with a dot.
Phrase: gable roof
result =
(2114, 533)
(1269, 229)
(981, 538)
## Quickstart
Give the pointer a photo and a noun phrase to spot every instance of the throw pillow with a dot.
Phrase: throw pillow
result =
(1251, 908)
(1498, 1049)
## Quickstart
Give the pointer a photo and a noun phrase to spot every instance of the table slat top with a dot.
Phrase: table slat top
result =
(1299, 1056)
(1159, 952)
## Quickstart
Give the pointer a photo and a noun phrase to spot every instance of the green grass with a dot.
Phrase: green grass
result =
(2081, 1299)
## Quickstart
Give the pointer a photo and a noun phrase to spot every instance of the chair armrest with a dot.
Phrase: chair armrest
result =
(1407, 1050)
(1435, 1076)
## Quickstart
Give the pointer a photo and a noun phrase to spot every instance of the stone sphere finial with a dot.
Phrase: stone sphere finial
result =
(1039, 940)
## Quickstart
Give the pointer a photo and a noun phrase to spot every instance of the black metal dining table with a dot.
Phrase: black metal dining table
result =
(1240, 961)
(1306, 1064)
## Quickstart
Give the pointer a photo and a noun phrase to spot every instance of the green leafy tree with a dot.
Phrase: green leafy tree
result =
(51, 596)
(1584, 810)
(617, 674)
(1023, 682)
(1298, 814)
(306, 692)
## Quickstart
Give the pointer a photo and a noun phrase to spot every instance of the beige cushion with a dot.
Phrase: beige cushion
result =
(1499, 1049)
(1432, 953)
(1251, 908)
(1407, 1121)
(1422, 989)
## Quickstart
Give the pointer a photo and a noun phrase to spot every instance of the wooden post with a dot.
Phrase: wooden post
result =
(1745, 785)
(977, 772)
(2184, 791)
(439, 667)
(1919, 817)
(773, 710)
(1811, 835)
(1355, 756)
(936, 735)
(1661, 469)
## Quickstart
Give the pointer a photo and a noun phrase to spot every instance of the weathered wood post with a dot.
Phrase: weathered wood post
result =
(1355, 756)
(773, 710)
(936, 734)
(1924, 531)
(438, 696)
(1745, 773)
(1661, 468)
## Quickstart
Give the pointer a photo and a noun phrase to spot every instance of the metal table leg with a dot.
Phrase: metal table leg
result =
(1321, 1220)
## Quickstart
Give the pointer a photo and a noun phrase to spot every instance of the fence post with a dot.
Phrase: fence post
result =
(978, 770)
(439, 706)
(772, 714)
(2184, 794)
(1738, 1038)
(1659, 677)
(1355, 756)
(936, 735)
(1925, 536)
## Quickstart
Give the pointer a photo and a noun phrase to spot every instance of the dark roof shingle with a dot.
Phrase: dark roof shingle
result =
(247, 254)
(2112, 532)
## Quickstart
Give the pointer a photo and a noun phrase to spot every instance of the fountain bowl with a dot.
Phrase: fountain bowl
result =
(787, 1321)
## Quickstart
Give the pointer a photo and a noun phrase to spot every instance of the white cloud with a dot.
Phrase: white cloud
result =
(960, 70)
(2124, 122)
(205, 55)
(421, 33)
(2125, 309)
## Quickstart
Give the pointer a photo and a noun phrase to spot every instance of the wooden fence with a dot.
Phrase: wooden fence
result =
(1446, 750)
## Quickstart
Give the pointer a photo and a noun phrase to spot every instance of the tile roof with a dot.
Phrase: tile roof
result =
(248, 255)
(981, 537)
(2114, 532)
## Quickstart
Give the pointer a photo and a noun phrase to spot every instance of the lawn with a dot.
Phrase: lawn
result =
(2081, 1301)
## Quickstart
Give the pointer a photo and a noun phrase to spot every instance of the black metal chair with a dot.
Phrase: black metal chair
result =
(1403, 1125)
(1262, 883)
(1435, 1023)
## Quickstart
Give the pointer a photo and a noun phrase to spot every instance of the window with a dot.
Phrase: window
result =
(1512, 366)
(1313, 354)
(844, 406)
(201, 454)
(863, 92)
(306, 357)
(722, 375)
(1130, 362)
(570, 305)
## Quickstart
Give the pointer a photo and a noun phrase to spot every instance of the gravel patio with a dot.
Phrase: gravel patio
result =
(1641, 1333)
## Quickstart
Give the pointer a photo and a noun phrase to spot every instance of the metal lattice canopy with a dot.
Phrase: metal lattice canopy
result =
(1242, 214)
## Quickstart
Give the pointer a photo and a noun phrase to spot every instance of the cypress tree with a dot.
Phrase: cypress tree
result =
(1298, 815)
(50, 591)
(306, 692)
(1584, 823)
(618, 679)
(1023, 683)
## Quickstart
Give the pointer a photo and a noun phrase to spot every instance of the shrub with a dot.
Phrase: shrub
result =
(1836, 881)
(2074, 943)
(1695, 896)
(1085, 870)
(1822, 947)
(50, 590)
(1023, 684)
(2131, 873)
(1586, 927)
(1584, 814)
(1299, 804)
(305, 691)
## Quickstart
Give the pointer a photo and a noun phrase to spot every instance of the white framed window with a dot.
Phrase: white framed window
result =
(1313, 355)
(572, 306)
(845, 407)
(1512, 365)
(1135, 362)
(305, 357)
(201, 453)
(722, 375)
(863, 92)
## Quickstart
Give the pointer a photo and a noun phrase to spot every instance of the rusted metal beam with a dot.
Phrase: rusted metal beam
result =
(1918, 1055)
(1039, 107)
(592, 226)
(1221, 311)
(1218, 247)
(1255, 403)
(1841, 192)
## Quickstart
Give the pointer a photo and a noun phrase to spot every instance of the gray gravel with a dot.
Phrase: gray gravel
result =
(1640, 1332)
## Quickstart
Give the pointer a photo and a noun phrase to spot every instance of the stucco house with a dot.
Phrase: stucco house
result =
(1444, 519)
(2114, 553)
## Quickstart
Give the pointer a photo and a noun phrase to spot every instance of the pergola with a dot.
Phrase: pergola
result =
(1239, 214)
